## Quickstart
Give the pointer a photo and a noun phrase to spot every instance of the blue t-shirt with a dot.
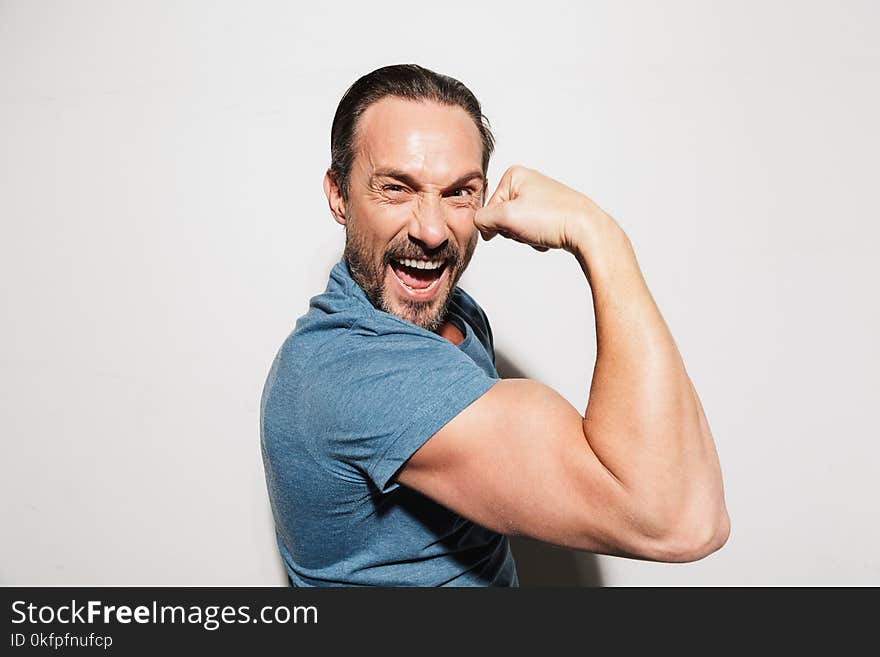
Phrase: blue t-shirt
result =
(352, 394)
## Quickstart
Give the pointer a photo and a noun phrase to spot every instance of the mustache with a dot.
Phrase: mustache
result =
(450, 255)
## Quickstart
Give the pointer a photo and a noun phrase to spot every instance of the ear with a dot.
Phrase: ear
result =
(334, 197)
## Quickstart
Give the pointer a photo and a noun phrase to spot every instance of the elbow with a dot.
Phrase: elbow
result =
(692, 541)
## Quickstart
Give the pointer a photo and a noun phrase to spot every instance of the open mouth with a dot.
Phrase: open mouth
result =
(420, 277)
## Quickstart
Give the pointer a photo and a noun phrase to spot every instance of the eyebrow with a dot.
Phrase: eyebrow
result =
(409, 181)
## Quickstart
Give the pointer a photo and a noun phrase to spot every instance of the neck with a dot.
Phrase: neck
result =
(450, 331)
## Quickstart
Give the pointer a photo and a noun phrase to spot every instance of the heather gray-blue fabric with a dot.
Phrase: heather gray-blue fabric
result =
(351, 395)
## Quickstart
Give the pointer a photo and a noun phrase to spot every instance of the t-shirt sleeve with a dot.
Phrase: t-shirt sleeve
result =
(375, 399)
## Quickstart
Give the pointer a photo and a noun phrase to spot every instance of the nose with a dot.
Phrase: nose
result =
(428, 223)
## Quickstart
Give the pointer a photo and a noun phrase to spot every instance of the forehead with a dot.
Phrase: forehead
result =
(422, 138)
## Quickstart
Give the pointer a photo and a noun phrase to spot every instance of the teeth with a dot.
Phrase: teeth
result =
(421, 264)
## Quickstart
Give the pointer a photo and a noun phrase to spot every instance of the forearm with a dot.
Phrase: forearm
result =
(643, 419)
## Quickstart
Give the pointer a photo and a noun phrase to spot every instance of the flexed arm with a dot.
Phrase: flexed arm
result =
(638, 474)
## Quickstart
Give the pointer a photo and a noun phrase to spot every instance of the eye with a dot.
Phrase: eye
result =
(392, 188)
(468, 192)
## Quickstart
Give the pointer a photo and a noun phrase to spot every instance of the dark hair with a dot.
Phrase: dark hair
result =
(408, 81)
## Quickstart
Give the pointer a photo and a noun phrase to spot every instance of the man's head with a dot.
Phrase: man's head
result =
(410, 149)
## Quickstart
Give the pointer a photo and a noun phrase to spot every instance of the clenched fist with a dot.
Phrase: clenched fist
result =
(531, 208)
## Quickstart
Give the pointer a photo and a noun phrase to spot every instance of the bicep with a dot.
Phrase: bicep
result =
(516, 461)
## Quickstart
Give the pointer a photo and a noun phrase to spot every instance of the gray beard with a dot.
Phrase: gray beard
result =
(369, 273)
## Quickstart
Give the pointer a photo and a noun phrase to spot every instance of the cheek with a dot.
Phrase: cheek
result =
(383, 225)
(461, 222)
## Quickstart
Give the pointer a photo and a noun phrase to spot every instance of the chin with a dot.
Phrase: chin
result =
(429, 315)
(427, 310)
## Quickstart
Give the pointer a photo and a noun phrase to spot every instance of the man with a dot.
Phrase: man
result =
(394, 454)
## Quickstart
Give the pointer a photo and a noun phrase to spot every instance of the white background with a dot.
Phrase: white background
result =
(164, 226)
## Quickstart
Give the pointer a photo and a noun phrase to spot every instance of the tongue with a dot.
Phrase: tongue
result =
(418, 279)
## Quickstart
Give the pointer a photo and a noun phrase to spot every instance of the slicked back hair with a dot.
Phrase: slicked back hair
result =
(408, 81)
